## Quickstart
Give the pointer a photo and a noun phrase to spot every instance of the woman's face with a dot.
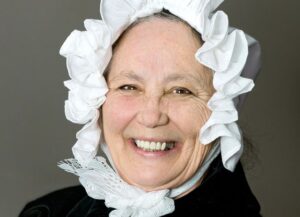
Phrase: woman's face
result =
(156, 105)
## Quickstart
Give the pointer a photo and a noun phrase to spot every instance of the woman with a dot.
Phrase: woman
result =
(156, 83)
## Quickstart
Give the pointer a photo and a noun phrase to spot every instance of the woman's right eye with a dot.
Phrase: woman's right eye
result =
(127, 87)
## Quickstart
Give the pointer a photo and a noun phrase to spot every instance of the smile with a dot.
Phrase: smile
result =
(154, 146)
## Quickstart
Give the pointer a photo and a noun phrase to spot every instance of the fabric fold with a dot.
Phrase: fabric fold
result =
(86, 147)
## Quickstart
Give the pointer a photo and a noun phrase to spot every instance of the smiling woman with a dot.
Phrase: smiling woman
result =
(158, 93)
(156, 100)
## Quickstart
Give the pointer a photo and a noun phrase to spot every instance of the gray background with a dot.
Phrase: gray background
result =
(34, 134)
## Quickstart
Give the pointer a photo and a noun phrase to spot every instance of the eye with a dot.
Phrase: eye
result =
(127, 87)
(181, 91)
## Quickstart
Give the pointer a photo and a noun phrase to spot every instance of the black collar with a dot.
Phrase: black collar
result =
(222, 193)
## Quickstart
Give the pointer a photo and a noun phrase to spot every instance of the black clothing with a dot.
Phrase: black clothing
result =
(221, 194)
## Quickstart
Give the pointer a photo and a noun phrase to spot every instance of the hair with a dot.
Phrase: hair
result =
(164, 14)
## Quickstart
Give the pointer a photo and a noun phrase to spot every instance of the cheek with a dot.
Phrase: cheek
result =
(118, 111)
(190, 117)
(202, 112)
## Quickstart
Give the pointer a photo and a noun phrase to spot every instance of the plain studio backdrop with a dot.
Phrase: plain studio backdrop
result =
(34, 134)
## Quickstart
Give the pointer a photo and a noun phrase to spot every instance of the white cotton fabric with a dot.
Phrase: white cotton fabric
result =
(88, 53)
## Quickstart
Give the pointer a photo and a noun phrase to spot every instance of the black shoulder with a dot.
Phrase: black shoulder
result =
(57, 203)
(222, 193)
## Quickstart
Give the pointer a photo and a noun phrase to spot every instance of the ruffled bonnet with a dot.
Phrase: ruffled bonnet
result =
(225, 51)
(232, 56)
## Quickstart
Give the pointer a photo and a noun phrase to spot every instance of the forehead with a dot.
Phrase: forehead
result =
(157, 45)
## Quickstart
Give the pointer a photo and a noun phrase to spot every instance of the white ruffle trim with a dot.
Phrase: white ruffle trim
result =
(89, 52)
(103, 183)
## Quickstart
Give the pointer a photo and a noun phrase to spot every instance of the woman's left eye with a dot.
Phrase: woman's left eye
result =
(181, 91)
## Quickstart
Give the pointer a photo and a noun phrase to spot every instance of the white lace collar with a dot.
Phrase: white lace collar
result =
(103, 183)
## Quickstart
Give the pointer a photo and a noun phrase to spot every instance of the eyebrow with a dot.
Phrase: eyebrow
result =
(173, 77)
(182, 77)
(126, 74)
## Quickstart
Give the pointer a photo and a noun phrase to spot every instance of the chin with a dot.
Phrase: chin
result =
(151, 183)
(150, 170)
(148, 178)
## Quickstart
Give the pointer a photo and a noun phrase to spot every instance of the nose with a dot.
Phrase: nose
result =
(151, 114)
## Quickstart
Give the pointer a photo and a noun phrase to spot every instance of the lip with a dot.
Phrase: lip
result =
(149, 154)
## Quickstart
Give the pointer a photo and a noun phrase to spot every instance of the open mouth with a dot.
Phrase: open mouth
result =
(152, 146)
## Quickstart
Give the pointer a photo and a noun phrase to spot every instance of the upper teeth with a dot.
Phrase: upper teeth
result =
(154, 146)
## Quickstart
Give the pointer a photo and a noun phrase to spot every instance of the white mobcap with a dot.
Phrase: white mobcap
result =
(224, 51)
